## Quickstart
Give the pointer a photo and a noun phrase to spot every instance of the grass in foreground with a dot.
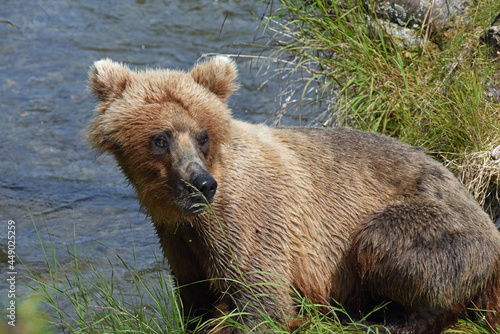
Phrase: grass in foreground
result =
(430, 95)
(82, 296)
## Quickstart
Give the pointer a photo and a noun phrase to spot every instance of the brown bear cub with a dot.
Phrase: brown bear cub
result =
(337, 215)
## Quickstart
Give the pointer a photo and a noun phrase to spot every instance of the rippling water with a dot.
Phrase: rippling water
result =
(48, 175)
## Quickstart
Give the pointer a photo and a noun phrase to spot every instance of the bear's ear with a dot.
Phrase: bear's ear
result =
(218, 75)
(108, 79)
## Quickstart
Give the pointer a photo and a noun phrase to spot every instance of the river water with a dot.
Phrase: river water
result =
(48, 174)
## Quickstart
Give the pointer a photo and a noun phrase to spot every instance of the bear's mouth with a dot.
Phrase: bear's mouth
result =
(198, 202)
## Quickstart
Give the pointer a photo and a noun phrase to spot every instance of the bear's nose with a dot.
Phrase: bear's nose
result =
(207, 185)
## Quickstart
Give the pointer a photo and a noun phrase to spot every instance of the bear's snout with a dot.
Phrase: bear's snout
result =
(207, 185)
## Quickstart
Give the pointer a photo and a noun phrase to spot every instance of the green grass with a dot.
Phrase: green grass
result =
(430, 95)
(82, 296)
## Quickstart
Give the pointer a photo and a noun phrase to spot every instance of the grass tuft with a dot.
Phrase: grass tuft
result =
(83, 298)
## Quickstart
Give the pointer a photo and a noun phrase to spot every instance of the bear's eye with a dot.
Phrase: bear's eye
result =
(204, 142)
(204, 139)
(161, 142)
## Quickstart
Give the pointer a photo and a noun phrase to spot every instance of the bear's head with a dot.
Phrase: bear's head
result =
(165, 129)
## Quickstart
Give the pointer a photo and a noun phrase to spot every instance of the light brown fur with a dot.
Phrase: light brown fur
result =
(333, 213)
